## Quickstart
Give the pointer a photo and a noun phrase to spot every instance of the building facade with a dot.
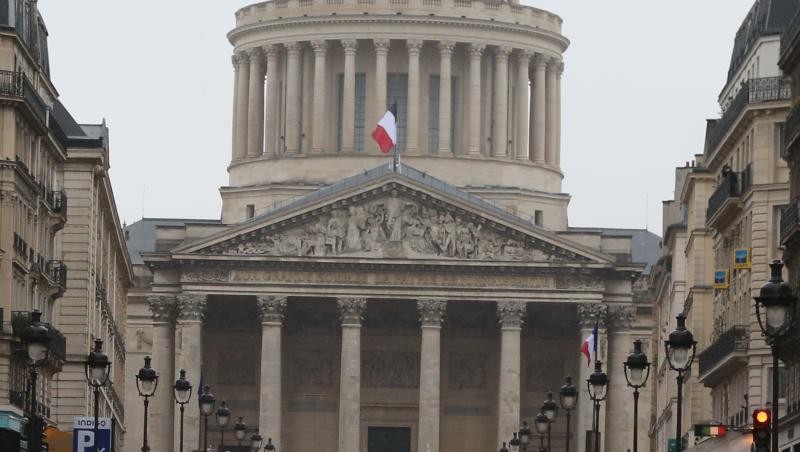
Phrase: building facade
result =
(432, 304)
(727, 213)
(50, 249)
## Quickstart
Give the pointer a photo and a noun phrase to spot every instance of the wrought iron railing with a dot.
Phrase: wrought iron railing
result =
(791, 128)
(57, 271)
(734, 340)
(57, 199)
(16, 84)
(790, 220)
(754, 91)
(728, 188)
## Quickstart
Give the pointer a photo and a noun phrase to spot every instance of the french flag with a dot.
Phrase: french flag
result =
(385, 133)
(589, 346)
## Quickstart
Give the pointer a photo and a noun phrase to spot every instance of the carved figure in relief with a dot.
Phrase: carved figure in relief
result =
(391, 227)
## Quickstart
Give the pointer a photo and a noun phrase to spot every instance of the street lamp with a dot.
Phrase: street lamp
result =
(269, 446)
(568, 396)
(680, 351)
(550, 409)
(514, 443)
(542, 424)
(255, 442)
(637, 370)
(97, 369)
(240, 430)
(503, 448)
(36, 339)
(183, 393)
(524, 436)
(207, 402)
(146, 384)
(223, 416)
(776, 298)
(597, 384)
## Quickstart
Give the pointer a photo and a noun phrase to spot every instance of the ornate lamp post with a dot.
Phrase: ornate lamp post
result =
(568, 396)
(240, 430)
(503, 448)
(778, 302)
(207, 402)
(183, 393)
(637, 370)
(269, 446)
(97, 370)
(223, 417)
(146, 384)
(550, 409)
(598, 389)
(524, 436)
(680, 348)
(542, 424)
(36, 339)
(255, 442)
(514, 443)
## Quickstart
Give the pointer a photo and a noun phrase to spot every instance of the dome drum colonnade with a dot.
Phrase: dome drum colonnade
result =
(290, 113)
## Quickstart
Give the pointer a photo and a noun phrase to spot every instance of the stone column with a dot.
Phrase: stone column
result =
(588, 314)
(270, 412)
(242, 107)
(318, 126)
(510, 314)
(558, 113)
(190, 312)
(271, 134)
(432, 313)
(475, 52)
(160, 431)
(351, 311)
(523, 71)
(293, 81)
(500, 134)
(412, 114)
(255, 106)
(349, 95)
(235, 146)
(539, 141)
(550, 127)
(445, 80)
(381, 53)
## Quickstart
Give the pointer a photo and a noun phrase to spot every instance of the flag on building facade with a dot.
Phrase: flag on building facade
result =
(589, 346)
(385, 133)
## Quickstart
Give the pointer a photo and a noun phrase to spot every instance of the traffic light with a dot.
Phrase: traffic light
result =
(761, 431)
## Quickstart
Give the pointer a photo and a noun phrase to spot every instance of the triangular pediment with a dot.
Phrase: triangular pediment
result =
(394, 217)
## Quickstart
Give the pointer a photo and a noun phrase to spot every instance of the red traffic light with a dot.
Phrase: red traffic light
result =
(761, 418)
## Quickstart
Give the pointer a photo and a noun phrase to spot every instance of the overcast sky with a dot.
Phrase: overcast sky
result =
(641, 77)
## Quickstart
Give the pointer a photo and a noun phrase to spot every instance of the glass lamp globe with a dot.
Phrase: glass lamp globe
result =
(568, 395)
(147, 379)
(637, 368)
(207, 401)
(223, 415)
(680, 346)
(598, 382)
(525, 434)
(542, 423)
(183, 389)
(255, 441)
(240, 429)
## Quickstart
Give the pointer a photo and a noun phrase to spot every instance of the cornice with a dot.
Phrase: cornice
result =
(385, 19)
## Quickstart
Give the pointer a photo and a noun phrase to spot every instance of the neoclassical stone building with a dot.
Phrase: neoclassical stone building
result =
(342, 301)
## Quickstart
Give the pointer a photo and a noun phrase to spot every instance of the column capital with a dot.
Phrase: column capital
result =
(381, 45)
(589, 314)
(524, 57)
(191, 306)
(162, 307)
(539, 60)
(560, 70)
(320, 47)
(271, 308)
(349, 45)
(271, 51)
(351, 310)
(414, 46)
(553, 64)
(476, 50)
(446, 47)
(431, 311)
(511, 313)
(293, 48)
(237, 60)
(255, 54)
(502, 52)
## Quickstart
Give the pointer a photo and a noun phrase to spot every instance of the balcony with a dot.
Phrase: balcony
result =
(57, 200)
(57, 273)
(726, 201)
(790, 221)
(20, 320)
(17, 85)
(726, 354)
(754, 91)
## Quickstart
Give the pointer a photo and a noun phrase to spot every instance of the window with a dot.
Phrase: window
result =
(538, 217)
(778, 140)
(433, 114)
(359, 111)
(397, 91)
(251, 211)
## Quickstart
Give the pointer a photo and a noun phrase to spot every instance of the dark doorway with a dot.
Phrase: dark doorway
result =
(389, 439)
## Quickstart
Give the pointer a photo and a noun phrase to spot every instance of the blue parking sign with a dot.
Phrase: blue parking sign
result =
(83, 434)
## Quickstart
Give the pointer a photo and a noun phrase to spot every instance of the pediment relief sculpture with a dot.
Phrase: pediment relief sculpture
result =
(395, 227)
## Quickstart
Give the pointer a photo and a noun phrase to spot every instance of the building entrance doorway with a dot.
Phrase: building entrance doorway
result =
(389, 439)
